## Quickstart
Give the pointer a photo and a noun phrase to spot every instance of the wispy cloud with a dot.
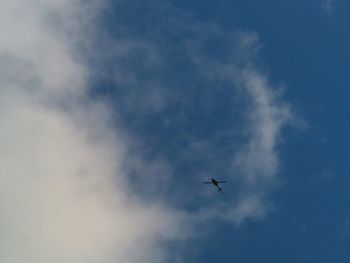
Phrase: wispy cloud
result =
(255, 161)
(258, 159)
(196, 68)
(328, 6)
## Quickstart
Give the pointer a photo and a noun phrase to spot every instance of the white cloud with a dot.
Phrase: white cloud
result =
(63, 193)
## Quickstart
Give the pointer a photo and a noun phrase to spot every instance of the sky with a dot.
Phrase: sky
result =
(114, 112)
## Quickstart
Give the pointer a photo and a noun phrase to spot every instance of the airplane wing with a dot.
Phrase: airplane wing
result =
(207, 182)
(221, 182)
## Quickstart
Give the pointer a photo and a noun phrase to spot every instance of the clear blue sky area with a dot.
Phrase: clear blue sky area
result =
(305, 48)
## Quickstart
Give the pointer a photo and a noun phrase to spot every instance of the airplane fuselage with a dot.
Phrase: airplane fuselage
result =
(214, 182)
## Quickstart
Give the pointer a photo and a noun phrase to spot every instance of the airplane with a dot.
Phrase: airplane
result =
(216, 183)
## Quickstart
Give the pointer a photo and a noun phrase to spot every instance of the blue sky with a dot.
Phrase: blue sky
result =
(115, 112)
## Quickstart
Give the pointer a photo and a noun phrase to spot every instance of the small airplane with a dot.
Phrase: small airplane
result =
(216, 183)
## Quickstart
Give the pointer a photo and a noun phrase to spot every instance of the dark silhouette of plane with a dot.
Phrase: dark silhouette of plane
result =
(216, 183)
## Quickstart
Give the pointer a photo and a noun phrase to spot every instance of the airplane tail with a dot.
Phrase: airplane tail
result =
(220, 190)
